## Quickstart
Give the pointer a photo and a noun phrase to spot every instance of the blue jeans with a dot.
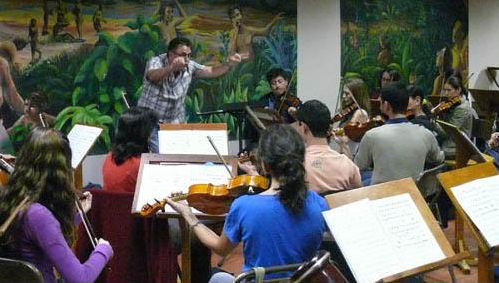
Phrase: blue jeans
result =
(154, 140)
(366, 176)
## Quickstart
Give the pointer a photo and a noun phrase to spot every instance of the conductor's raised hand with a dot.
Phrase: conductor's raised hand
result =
(178, 64)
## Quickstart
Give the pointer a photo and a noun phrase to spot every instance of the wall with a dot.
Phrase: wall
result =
(319, 59)
(483, 41)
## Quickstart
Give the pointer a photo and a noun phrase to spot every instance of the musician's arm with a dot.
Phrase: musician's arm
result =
(363, 159)
(359, 116)
(218, 244)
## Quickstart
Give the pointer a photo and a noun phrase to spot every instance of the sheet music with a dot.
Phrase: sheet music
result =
(81, 138)
(159, 181)
(362, 241)
(192, 142)
(407, 231)
(480, 200)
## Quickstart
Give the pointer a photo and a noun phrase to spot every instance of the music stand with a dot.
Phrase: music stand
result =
(149, 158)
(393, 188)
(487, 101)
(458, 177)
(237, 110)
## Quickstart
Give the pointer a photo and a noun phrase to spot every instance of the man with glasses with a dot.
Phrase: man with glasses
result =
(167, 79)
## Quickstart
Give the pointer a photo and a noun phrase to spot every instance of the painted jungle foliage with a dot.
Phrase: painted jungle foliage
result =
(84, 54)
(419, 39)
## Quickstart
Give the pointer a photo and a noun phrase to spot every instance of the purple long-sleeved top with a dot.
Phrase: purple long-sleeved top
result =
(40, 241)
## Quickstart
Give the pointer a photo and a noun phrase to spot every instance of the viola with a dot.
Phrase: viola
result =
(446, 105)
(213, 199)
(344, 112)
(355, 131)
(6, 168)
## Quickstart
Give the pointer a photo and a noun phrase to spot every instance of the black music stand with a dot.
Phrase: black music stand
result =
(236, 110)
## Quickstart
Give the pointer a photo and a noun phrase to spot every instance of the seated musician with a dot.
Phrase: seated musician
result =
(327, 170)
(459, 115)
(354, 92)
(43, 232)
(416, 109)
(278, 80)
(398, 149)
(121, 166)
(282, 225)
(34, 113)
(492, 147)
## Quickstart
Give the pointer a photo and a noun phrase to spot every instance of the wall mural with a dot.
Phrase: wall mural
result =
(419, 39)
(84, 54)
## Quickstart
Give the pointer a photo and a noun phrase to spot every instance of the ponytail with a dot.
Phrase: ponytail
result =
(283, 150)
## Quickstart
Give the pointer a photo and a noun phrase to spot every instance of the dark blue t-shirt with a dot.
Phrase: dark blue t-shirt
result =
(271, 234)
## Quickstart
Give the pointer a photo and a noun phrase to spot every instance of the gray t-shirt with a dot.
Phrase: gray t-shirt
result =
(396, 151)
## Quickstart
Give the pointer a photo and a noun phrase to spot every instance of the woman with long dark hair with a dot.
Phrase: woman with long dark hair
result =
(281, 225)
(43, 232)
(121, 165)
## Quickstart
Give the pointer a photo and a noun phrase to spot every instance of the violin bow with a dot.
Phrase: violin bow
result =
(340, 96)
(40, 116)
(13, 215)
(86, 223)
(123, 96)
(286, 92)
(220, 156)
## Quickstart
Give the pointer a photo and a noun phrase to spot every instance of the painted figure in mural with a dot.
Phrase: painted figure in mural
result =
(33, 40)
(46, 12)
(34, 113)
(459, 40)
(384, 55)
(8, 90)
(98, 18)
(61, 11)
(442, 62)
(241, 35)
(169, 22)
(78, 18)
(167, 79)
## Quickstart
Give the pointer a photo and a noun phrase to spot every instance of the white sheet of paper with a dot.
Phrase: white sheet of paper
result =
(480, 200)
(81, 138)
(192, 142)
(407, 231)
(159, 181)
(362, 241)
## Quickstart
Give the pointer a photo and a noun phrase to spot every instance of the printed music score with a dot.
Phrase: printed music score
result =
(161, 180)
(480, 201)
(81, 139)
(382, 237)
(192, 142)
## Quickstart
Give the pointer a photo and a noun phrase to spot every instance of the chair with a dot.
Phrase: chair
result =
(430, 188)
(14, 271)
(318, 269)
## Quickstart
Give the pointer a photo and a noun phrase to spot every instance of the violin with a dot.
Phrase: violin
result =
(247, 157)
(446, 105)
(344, 112)
(410, 113)
(286, 101)
(355, 131)
(213, 199)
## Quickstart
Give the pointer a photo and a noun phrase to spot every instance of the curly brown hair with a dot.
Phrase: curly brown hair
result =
(43, 173)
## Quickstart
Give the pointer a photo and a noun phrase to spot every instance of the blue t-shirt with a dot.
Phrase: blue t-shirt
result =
(271, 234)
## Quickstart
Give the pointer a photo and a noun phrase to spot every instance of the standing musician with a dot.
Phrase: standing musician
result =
(43, 231)
(282, 225)
(354, 92)
(458, 114)
(167, 79)
(398, 149)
